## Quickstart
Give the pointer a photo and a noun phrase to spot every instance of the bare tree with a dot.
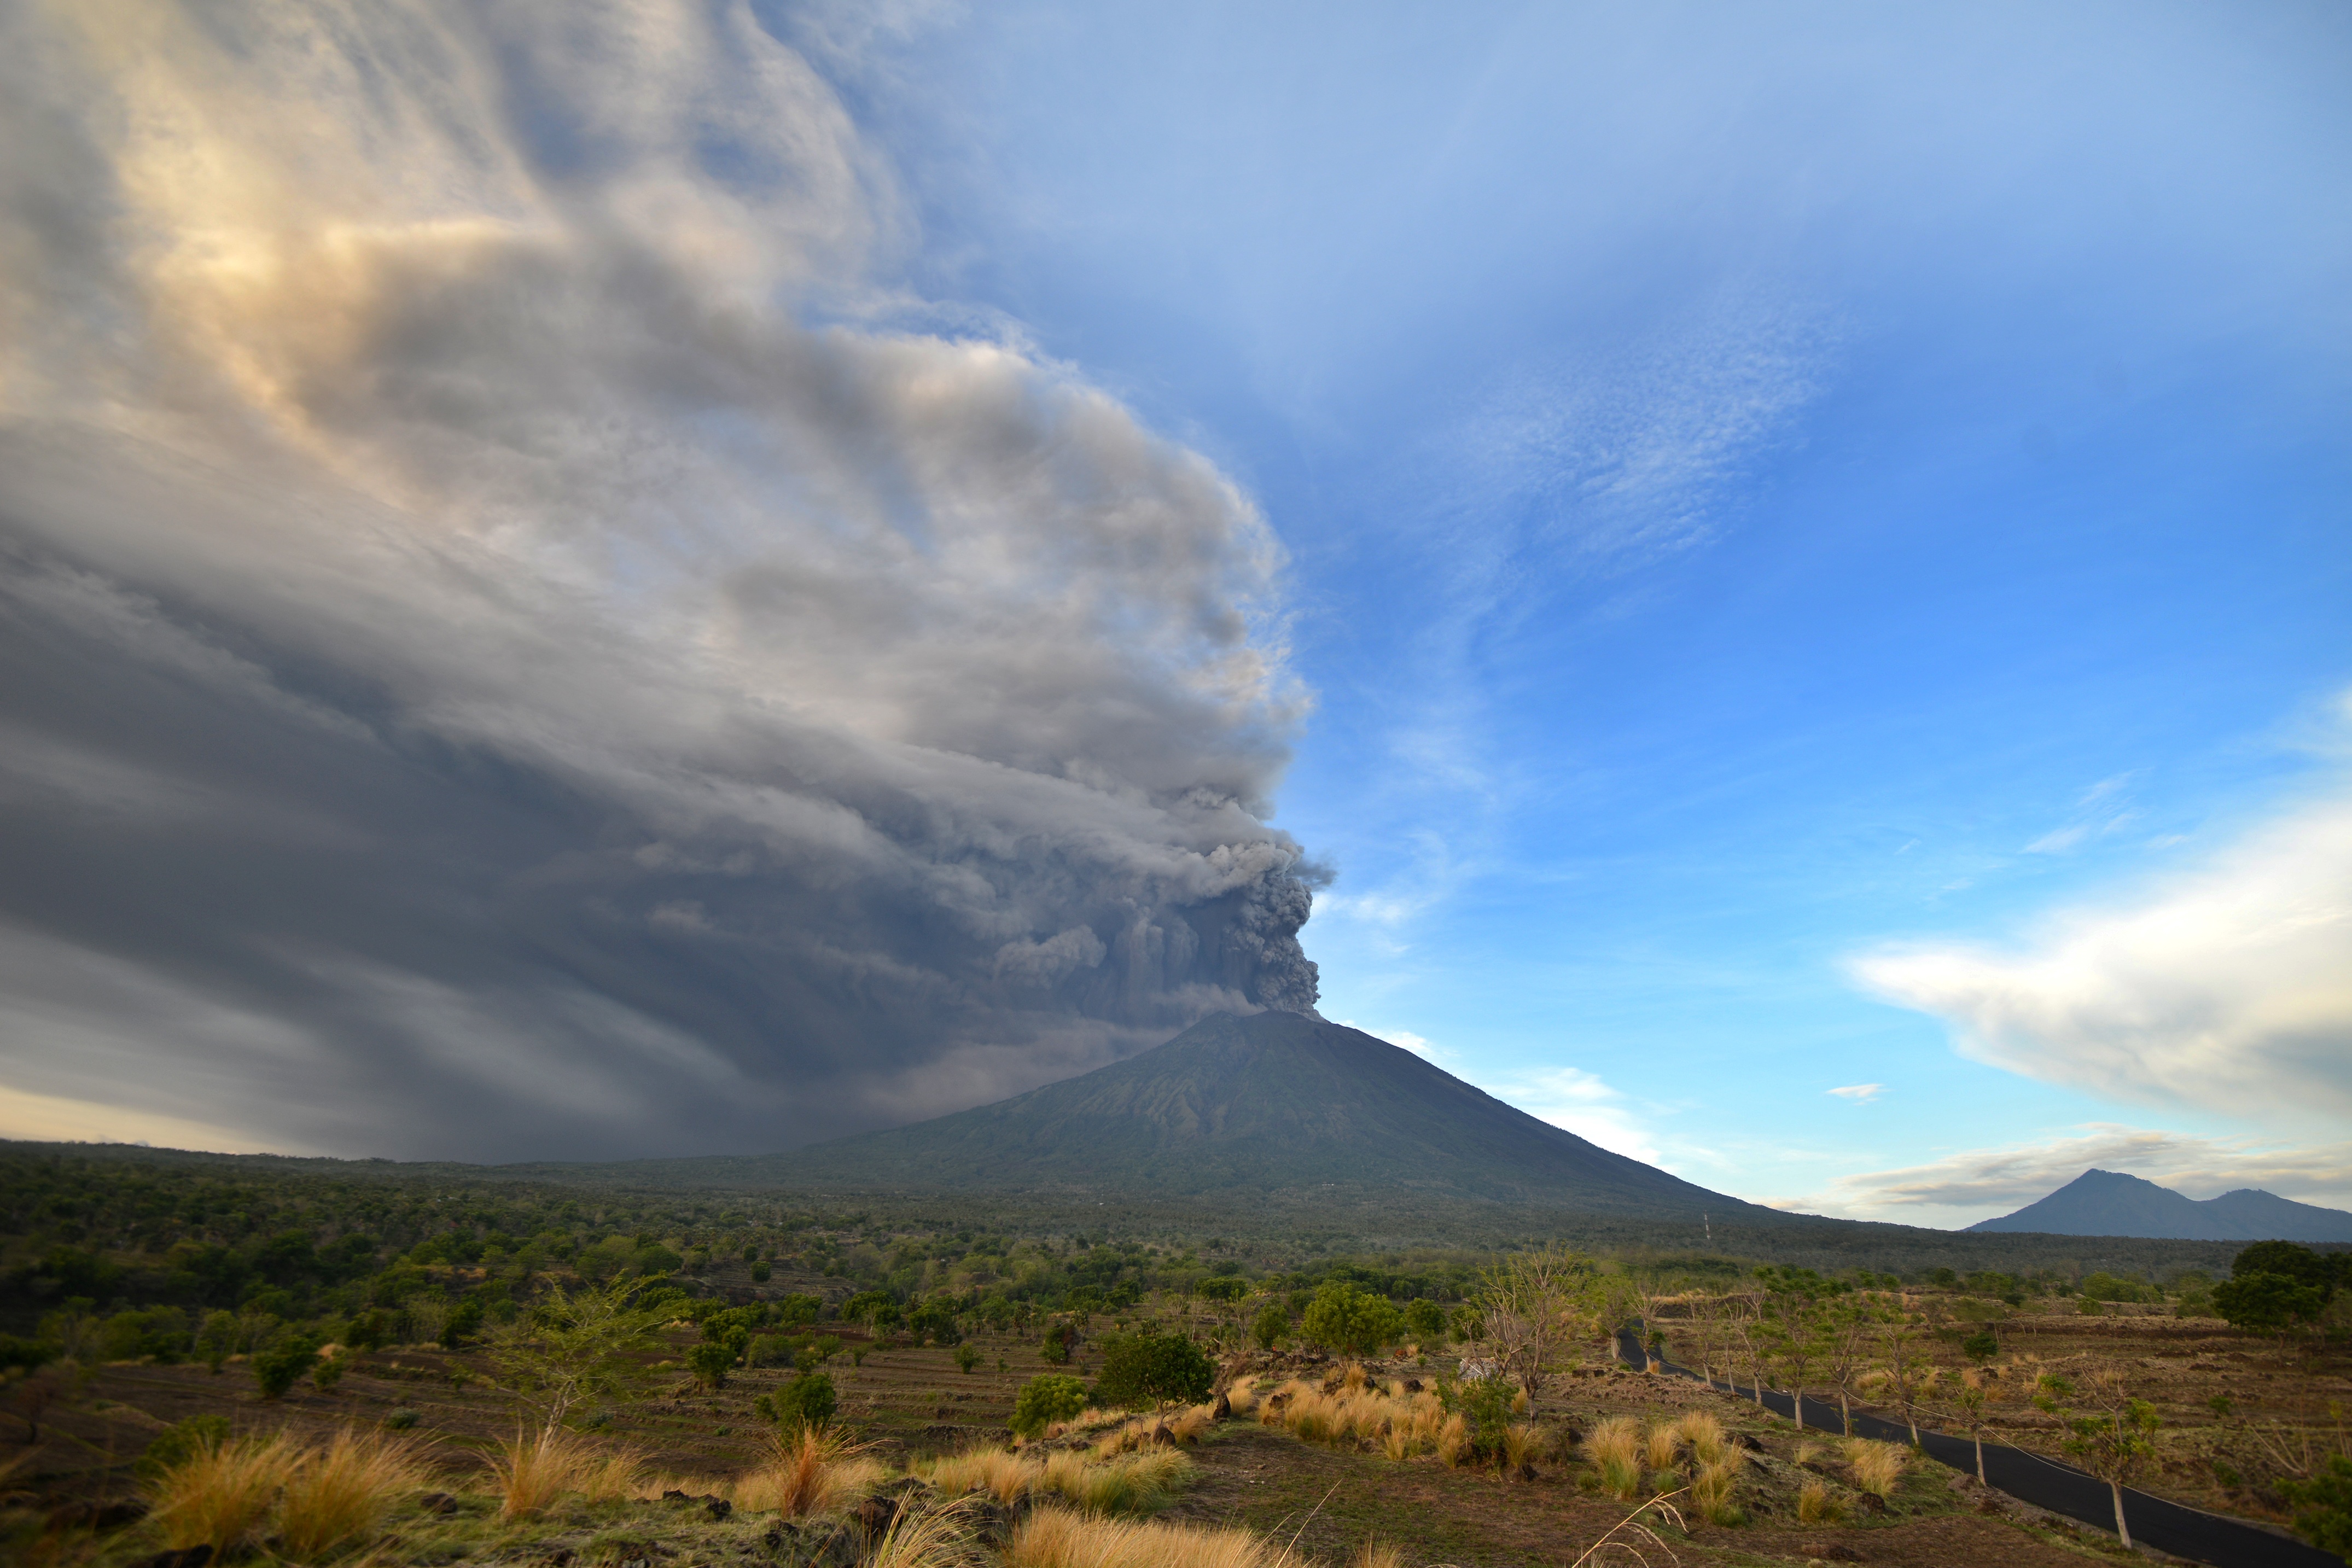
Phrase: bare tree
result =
(1536, 1307)
(2114, 1437)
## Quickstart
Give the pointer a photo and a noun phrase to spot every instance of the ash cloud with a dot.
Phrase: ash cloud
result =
(515, 649)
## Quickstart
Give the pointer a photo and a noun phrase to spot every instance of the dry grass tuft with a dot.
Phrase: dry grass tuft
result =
(1353, 1378)
(933, 1538)
(1613, 1447)
(1241, 1394)
(1704, 1433)
(343, 1491)
(1815, 1506)
(1055, 1538)
(1876, 1466)
(811, 1471)
(1658, 1446)
(609, 1478)
(222, 1492)
(1004, 1476)
(532, 1471)
(1377, 1554)
(1711, 1491)
(1454, 1449)
(1519, 1443)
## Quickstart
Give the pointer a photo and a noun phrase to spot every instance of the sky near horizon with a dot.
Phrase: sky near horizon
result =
(1781, 574)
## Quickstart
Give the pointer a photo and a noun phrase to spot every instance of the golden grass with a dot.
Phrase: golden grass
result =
(1454, 1449)
(221, 1493)
(1519, 1443)
(1055, 1537)
(1708, 1443)
(1658, 1446)
(1376, 1553)
(1815, 1506)
(1809, 1450)
(1876, 1466)
(610, 1478)
(1128, 1483)
(532, 1470)
(932, 1538)
(343, 1491)
(811, 1471)
(1242, 1396)
(1613, 1448)
(1352, 1377)
(1712, 1489)
(1004, 1476)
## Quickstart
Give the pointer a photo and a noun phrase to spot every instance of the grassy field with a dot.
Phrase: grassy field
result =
(1321, 1500)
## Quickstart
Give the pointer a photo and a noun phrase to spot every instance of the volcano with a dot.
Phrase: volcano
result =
(1276, 1102)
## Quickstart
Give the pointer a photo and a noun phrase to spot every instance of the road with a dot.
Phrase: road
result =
(2061, 1488)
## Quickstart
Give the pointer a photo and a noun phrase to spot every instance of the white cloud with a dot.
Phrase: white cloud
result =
(2228, 990)
(1585, 1104)
(1860, 1093)
(1979, 1184)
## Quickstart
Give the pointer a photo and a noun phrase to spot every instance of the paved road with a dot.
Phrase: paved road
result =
(2061, 1488)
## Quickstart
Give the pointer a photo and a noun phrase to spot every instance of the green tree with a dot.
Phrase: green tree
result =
(709, 1363)
(574, 1345)
(1271, 1326)
(1148, 1368)
(1048, 1397)
(1425, 1320)
(1346, 1318)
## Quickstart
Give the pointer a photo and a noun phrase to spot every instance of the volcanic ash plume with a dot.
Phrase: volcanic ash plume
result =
(516, 646)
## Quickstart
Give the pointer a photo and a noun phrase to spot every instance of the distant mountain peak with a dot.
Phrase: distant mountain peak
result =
(2116, 1203)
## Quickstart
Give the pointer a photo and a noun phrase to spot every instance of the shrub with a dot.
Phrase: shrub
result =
(1046, 1399)
(793, 1311)
(1147, 1367)
(770, 1350)
(1346, 1318)
(806, 1401)
(1061, 1338)
(966, 1358)
(277, 1369)
(2323, 1506)
(1271, 1326)
(710, 1363)
(463, 1324)
(1424, 1319)
(327, 1373)
(761, 1271)
(1981, 1346)
(400, 1421)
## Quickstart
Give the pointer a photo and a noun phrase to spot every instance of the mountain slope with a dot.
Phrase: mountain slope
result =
(2109, 1203)
(1276, 1102)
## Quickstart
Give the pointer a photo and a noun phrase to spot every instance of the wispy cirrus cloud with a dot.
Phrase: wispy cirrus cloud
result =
(1859, 1093)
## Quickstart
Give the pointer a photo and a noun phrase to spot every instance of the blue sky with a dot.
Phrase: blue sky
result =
(1761, 485)
(781, 569)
